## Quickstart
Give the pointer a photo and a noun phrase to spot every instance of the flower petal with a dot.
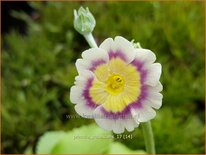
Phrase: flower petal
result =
(107, 44)
(79, 94)
(102, 72)
(84, 111)
(119, 47)
(154, 98)
(117, 125)
(80, 83)
(144, 55)
(130, 124)
(124, 47)
(143, 114)
(158, 87)
(107, 123)
(81, 65)
(75, 94)
(94, 54)
(97, 92)
(114, 103)
(91, 59)
(82, 78)
(153, 74)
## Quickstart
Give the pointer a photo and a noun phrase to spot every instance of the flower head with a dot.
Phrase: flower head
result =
(84, 21)
(118, 85)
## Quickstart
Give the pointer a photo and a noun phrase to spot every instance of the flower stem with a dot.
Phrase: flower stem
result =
(90, 39)
(148, 137)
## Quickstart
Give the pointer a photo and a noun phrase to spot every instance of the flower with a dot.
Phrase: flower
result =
(118, 85)
(84, 21)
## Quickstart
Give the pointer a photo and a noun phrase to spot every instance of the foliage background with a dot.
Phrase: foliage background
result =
(38, 70)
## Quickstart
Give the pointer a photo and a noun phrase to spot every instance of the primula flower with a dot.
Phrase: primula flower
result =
(118, 85)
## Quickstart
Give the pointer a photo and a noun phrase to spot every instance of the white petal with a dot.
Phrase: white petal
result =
(80, 84)
(84, 111)
(130, 124)
(108, 123)
(102, 120)
(116, 125)
(81, 65)
(144, 55)
(153, 74)
(76, 94)
(90, 57)
(143, 114)
(95, 54)
(154, 98)
(119, 44)
(126, 47)
(107, 44)
(158, 87)
(83, 77)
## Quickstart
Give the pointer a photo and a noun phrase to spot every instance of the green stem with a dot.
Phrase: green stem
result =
(148, 137)
(90, 39)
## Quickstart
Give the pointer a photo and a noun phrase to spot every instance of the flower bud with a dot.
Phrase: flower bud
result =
(84, 21)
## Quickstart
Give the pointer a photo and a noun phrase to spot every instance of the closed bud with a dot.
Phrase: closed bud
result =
(84, 21)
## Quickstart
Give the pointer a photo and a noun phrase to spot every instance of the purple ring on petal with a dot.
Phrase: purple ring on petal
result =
(96, 63)
(86, 95)
(139, 67)
(115, 116)
(117, 54)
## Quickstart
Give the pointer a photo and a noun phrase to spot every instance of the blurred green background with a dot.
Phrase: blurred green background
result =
(38, 70)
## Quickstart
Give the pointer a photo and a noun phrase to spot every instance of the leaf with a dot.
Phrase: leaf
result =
(119, 148)
(48, 141)
(88, 139)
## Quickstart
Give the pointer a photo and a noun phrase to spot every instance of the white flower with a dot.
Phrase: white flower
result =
(118, 85)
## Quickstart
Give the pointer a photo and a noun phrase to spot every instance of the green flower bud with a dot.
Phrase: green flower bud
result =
(84, 21)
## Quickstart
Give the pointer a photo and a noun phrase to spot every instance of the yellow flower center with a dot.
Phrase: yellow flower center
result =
(115, 84)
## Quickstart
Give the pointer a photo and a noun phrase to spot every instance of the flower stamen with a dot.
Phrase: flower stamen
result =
(115, 84)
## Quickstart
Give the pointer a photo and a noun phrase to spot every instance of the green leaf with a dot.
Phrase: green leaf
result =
(48, 141)
(88, 139)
